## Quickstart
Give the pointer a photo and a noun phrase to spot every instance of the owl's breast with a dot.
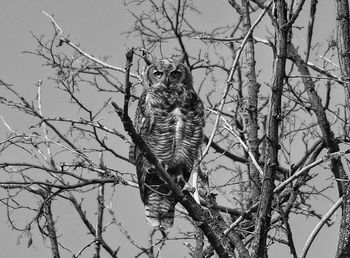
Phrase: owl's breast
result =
(175, 135)
(165, 134)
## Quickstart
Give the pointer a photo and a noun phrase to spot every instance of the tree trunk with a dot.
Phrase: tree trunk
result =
(344, 235)
(343, 45)
(51, 230)
(272, 144)
(251, 108)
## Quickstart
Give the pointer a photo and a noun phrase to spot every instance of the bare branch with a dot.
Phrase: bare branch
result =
(64, 39)
(318, 227)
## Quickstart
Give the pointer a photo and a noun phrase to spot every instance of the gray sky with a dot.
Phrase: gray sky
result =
(98, 26)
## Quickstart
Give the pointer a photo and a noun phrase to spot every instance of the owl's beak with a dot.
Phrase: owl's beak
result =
(166, 82)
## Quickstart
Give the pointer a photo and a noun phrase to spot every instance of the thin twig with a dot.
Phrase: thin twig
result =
(83, 248)
(99, 223)
(288, 231)
(310, 28)
(324, 72)
(150, 243)
(319, 226)
(295, 15)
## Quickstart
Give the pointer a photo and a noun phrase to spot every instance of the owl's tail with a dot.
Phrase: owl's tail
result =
(159, 210)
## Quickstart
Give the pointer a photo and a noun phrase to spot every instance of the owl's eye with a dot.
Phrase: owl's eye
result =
(175, 74)
(158, 74)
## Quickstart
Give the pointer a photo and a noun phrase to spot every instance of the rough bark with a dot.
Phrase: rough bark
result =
(343, 45)
(235, 240)
(272, 144)
(51, 230)
(99, 226)
(343, 250)
(251, 109)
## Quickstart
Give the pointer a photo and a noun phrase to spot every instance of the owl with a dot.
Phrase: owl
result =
(170, 119)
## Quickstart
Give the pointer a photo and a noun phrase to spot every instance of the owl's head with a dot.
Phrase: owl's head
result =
(167, 73)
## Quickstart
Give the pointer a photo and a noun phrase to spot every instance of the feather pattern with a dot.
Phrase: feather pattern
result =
(170, 118)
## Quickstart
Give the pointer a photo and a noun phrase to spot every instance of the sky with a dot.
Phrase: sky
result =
(99, 27)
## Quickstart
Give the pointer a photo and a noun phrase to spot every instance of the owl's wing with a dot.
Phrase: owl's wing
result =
(143, 124)
(143, 119)
(158, 201)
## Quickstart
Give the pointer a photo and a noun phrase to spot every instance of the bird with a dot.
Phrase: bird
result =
(170, 119)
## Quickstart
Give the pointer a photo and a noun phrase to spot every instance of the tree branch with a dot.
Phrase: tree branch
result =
(318, 227)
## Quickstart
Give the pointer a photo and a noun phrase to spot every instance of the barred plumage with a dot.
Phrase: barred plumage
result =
(170, 118)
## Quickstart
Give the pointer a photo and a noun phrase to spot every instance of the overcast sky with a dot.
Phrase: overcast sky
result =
(98, 26)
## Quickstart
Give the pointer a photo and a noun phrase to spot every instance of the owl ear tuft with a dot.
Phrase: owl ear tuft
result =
(147, 56)
(180, 58)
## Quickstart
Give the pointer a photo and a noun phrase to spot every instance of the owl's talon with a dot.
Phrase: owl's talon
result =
(182, 182)
(165, 166)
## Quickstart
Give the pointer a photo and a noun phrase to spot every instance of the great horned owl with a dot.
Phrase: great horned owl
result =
(170, 118)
